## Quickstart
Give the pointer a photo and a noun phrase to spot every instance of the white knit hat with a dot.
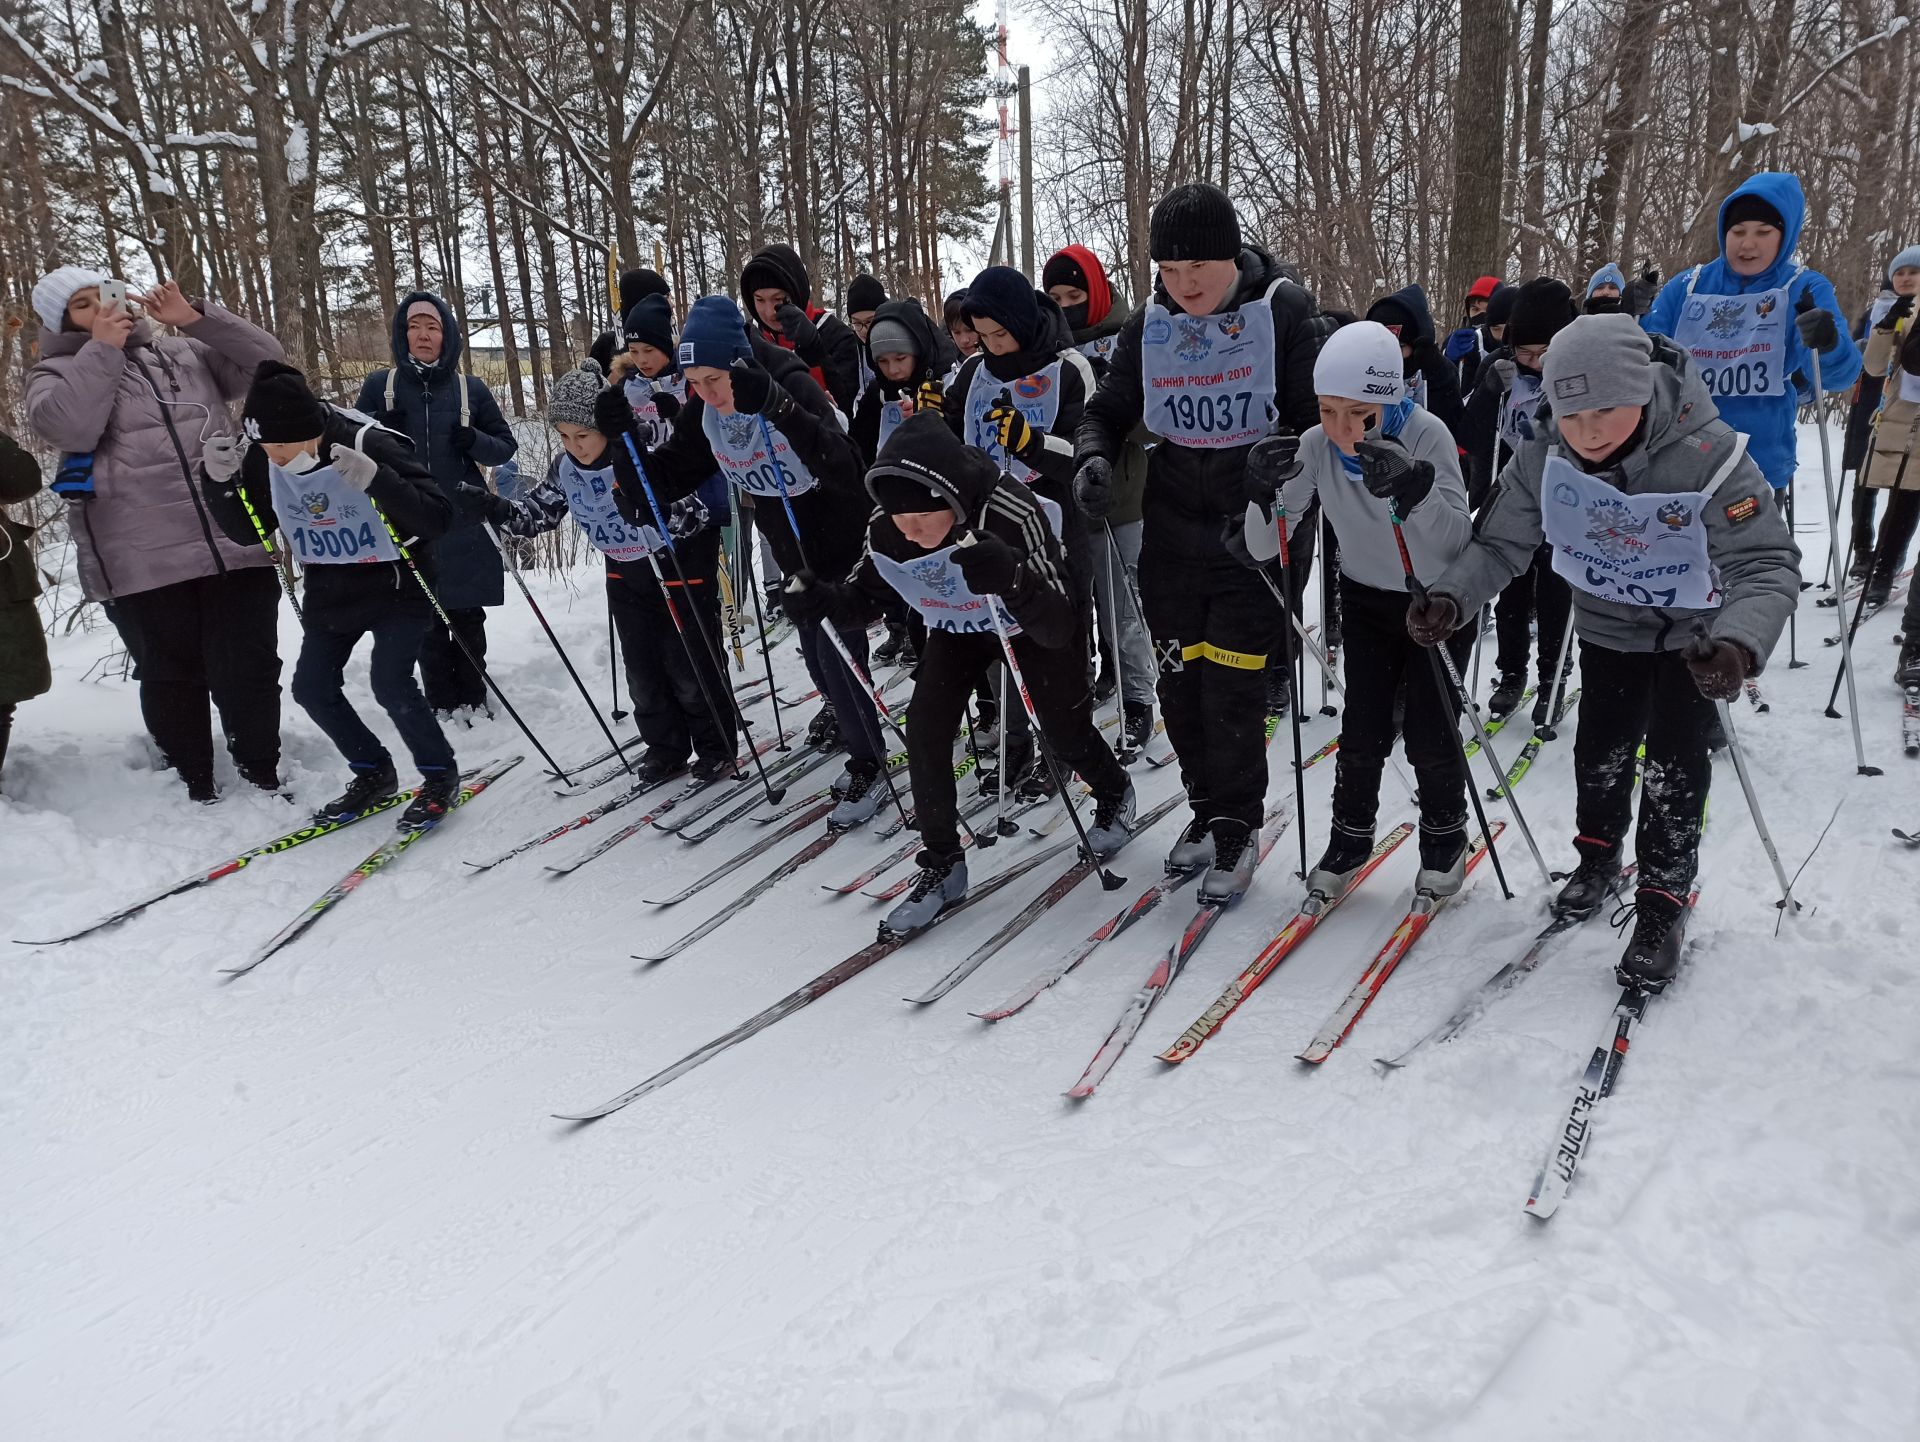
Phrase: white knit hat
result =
(1361, 362)
(56, 288)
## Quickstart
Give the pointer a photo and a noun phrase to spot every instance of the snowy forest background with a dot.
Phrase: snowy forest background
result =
(307, 161)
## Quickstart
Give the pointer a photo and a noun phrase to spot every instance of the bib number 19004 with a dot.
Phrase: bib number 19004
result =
(341, 543)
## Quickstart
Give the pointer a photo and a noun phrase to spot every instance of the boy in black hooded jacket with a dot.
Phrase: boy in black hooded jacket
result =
(778, 297)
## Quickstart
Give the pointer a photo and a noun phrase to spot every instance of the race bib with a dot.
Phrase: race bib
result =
(1037, 397)
(326, 521)
(1632, 550)
(1517, 411)
(739, 444)
(1739, 342)
(590, 499)
(640, 393)
(934, 587)
(1100, 348)
(891, 414)
(1209, 380)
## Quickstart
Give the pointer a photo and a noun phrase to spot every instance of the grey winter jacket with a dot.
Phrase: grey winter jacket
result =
(1687, 445)
(1436, 531)
(426, 408)
(144, 526)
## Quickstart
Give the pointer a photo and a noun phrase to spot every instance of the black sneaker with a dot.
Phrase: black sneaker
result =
(714, 768)
(1659, 928)
(657, 766)
(438, 791)
(1591, 883)
(367, 787)
(1279, 690)
(1506, 695)
(824, 730)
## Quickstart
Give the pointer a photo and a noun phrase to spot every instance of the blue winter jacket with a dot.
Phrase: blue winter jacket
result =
(1767, 420)
(426, 408)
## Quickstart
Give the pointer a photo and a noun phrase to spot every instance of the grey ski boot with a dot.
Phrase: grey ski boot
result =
(860, 800)
(942, 883)
(1193, 851)
(1234, 855)
(1112, 825)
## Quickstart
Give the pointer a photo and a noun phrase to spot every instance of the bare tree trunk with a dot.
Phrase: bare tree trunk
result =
(1533, 209)
(1479, 129)
(1632, 60)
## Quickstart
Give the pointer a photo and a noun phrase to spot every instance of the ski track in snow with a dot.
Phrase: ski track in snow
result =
(326, 1200)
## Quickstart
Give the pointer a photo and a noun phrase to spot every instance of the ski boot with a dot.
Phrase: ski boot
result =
(942, 883)
(1112, 824)
(824, 730)
(1591, 882)
(1139, 726)
(1103, 686)
(263, 774)
(776, 603)
(1193, 851)
(1234, 855)
(1906, 671)
(1346, 853)
(714, 768)
(439, 789)
(1878, 589)
(1279, 689)
(1659, 928)
(888, 651)
(369, 784)
(1019, 764)
(1862, 568)
(1506, 696)
(860, 800)
(655, 767)
(1443, 861)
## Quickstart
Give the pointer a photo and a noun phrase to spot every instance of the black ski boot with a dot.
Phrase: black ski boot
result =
(824, 730)
(263, 774)
(1443, 860)
(1019, 763)
(656, 766)
(1659, 929)
(369, 784)
(438, 791)
(1234, 855)
(1591, 883)
(1506, 696)
(1906, 671)
(1879, 588)
(714, 768)
(1347, 851)
(201, 787)
(1862, 568)
(1139, 727)
(1279, 689)
(888, 651)
(1103, 686)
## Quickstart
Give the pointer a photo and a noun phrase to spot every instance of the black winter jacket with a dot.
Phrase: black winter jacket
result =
(834, 356)
(933, 349)
(1192, 493)
(349, 597)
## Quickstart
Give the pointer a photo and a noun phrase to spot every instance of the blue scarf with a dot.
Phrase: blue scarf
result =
(1393, 420)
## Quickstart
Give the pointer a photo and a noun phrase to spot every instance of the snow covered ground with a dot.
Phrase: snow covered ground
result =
(327, 1200)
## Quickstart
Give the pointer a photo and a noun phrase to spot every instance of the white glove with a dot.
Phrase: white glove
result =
(221, 456)
(356, 468)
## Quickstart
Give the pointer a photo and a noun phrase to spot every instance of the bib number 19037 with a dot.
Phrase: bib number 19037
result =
(1221, 411)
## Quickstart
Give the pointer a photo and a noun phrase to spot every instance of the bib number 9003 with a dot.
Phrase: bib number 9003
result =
(334, 543)
(1740, 378)
(1208, 413)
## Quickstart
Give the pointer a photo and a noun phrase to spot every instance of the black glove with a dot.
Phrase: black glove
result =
(757, 393)
(1273, 461)
(810, 600)
(612, 416)
(1720, 668)
(1431, 621)
(795, 326)
(463, 439)
(1900, 310)
(1815, 324)
(1393, 475)
(480, 501)
(1017, 437)
(687, 516)
(1093, 487)
(987, 563)
(666, 405)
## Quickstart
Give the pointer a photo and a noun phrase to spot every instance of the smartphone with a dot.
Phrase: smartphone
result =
(113, 295)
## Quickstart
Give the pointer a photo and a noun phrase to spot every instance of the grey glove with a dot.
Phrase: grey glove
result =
(221, 457)
(356, 468)
(1505, 368)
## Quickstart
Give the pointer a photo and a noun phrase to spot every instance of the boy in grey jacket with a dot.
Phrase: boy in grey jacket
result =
(1374, 455)
(1684, 573)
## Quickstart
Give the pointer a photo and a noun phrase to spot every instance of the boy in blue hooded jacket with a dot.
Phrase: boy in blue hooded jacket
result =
(1749, 318)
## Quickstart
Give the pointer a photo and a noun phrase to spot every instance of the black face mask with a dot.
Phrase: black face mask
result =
(1076, 315)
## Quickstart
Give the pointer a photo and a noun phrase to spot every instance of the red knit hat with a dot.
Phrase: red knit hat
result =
(1483, 287)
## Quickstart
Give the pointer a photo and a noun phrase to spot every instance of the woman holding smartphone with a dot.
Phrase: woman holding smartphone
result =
(131, 408)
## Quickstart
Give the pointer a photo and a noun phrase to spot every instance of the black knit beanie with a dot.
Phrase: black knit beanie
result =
(1194, 222)
(902, 495)
(636, 285)
(280, 408)
(1500, 305)
(1750, 207)
(866, 293)
(651, 323)
(1541, 311)
(1063, 269)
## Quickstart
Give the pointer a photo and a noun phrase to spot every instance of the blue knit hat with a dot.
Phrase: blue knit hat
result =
(1003, 295)
(1608, 274)
(1908, 257)
(714, 335)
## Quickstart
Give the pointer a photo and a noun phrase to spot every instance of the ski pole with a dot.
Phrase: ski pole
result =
(1112, 626)
(744, 544)
(1545, 730)
(613, 664)
(1833, 546)
(1285, 592)
(1786, 901)
(1860, 603)
(278, 560)
(1794, 663)
(706, 642)
(1853, 626)
(1133, 589)
(485, 675)
(1107, 878)
(1445, 673)
(1328, 608)
(513, 569)
(1002, 826)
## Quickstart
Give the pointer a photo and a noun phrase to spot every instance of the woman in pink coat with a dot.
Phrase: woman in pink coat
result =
(130, 408)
